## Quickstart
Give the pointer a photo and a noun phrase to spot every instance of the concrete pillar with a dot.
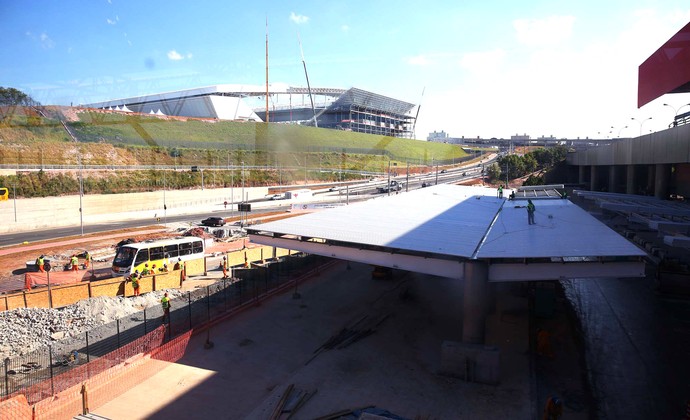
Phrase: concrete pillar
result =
(581, 171)
(630, 179)
(649, 188)
(662, 173)
(475, 301)
(612, 179)
(593, 181)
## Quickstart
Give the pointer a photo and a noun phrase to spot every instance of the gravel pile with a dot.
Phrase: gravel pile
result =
(24, 330)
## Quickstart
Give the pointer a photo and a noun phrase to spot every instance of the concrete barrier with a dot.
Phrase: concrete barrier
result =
(24, 214)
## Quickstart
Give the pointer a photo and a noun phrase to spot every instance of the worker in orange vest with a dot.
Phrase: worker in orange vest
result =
(553, 409)
(224, 265)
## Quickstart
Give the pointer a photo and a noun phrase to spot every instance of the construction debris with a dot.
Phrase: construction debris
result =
(290, 402)
(364, 327)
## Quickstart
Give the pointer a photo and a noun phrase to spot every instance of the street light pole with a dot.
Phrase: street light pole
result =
(389, 177)
(619, 131)
(165, 206)
(675, 112)
(641, 122)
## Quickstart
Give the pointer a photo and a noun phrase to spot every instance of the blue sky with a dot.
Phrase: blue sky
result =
(478, 68)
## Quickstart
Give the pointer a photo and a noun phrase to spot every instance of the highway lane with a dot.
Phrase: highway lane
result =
(18, 238)
(357, 192)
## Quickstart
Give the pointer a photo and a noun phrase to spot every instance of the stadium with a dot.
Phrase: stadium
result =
(342, 109)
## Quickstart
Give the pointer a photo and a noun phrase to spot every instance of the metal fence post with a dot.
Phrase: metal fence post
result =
(189, 308)
(208, 304)
(117, 323)
(225, 295)
(88, 357)
(7, 379)
(145, 326)
(50, 360)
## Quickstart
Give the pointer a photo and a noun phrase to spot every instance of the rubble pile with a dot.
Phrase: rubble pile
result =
(24, 330)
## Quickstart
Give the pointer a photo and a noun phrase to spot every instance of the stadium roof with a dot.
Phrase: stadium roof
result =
(369, 100)
(451, 223)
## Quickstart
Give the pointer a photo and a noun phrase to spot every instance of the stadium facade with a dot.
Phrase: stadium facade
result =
(343, 109)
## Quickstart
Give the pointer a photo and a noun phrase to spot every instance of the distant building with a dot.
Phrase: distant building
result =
(438, 136)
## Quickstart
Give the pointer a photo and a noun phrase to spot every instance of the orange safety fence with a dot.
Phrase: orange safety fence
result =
(56, 277)
(97, 382)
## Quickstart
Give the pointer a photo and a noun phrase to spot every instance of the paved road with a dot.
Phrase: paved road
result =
(16, 238)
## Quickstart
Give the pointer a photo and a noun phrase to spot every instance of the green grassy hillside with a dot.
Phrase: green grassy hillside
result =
(31, 136)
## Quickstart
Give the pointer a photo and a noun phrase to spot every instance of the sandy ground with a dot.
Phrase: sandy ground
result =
(260, 352)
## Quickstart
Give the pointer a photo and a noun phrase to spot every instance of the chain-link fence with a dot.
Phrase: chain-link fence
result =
(188, 311)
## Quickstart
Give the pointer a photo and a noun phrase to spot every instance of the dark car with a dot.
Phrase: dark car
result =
(213, 221)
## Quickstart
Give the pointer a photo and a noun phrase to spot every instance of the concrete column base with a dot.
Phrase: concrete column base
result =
(471, 362)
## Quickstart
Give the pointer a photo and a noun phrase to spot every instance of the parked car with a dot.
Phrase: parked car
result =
(213, 221)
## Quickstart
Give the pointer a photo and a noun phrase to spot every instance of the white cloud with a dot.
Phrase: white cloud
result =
(345, 28)
(43, 39)
(174, 55)
(298, 19)
(419, 60)
(540, 32)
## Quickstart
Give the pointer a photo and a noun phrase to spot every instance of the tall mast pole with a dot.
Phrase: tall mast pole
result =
(266, 68)
(304, 63)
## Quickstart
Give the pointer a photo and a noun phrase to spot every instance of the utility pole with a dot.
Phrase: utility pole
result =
(266, 69)
(81, 194)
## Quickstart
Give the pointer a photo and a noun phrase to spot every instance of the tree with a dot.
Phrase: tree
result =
(14, 97)
(493, 171)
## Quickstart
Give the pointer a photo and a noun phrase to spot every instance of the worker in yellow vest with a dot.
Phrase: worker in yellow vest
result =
(165, 304)
(75, 263)
(134, 278)
(40, 262)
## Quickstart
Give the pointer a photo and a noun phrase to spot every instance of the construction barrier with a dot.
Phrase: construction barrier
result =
(33, 279)
(103, 379)
(67, 294)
